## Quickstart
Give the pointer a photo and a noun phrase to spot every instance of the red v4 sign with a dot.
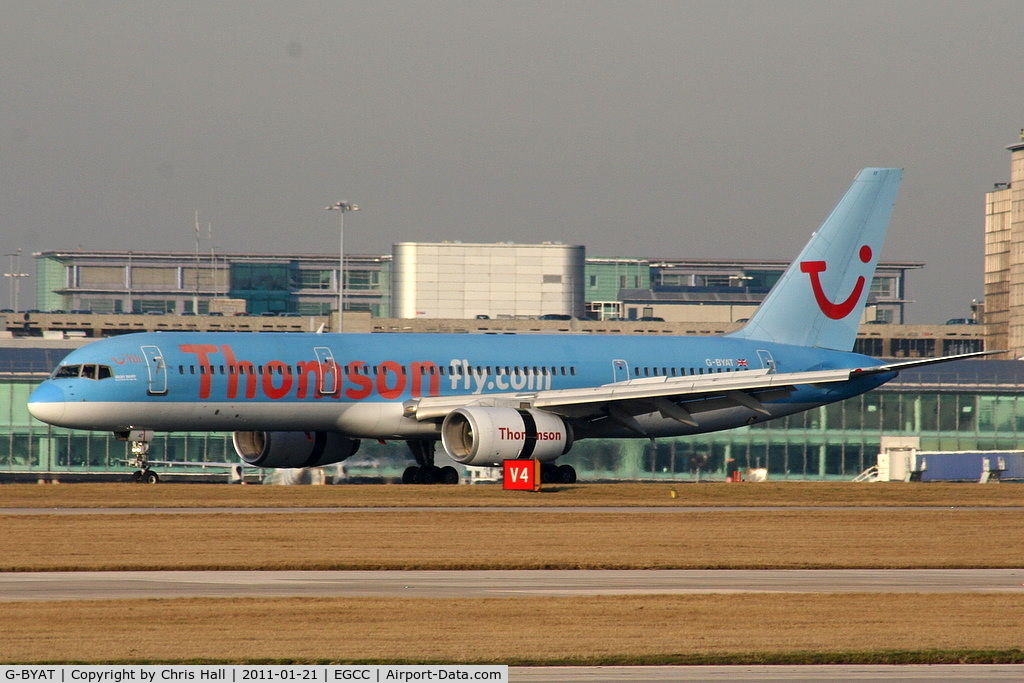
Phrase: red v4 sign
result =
(521, 475)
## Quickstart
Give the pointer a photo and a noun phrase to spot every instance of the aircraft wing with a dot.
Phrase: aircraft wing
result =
(674, 397)
(920, 362)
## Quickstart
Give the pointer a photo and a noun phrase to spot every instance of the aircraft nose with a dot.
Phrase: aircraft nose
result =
(46, 403)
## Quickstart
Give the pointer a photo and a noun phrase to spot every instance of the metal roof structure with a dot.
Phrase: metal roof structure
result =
(30, 360)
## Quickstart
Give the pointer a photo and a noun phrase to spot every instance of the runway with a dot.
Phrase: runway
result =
(49, 586)
(554, 510)
(91, 586)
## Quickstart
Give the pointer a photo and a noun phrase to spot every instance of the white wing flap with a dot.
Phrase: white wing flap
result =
(432, 408)
(680, 388)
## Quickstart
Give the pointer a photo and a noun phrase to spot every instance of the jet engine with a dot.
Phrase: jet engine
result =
(293, 449)
(486, 436)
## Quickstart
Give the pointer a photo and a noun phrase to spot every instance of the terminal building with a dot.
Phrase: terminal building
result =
(450, 280)
(730, 290)
(108, 282)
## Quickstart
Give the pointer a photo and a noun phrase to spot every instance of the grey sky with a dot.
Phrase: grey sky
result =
(715, 129)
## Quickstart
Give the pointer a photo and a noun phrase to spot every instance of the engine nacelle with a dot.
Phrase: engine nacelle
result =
(293, 449)
(486, 436)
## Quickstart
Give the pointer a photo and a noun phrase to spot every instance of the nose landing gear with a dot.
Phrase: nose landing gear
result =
(140, 440)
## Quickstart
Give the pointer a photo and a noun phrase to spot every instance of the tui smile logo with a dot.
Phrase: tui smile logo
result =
(835, 311)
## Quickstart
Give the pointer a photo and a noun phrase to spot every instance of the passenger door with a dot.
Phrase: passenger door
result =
(328, 367)
(620, 370)
(157, 369)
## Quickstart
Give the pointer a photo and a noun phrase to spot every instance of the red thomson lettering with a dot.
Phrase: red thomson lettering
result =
(276, 367)
(354, 375)
(236, 369)
(229, 359)
(276, 379)
(512, 435)
(202, 352)
(390, 367)
(307, 368)
(249, 370)
(418, 370)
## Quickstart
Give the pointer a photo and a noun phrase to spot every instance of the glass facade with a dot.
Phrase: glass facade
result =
(317, 279)
(266, 287)
(605, 277)
(29, 446)
(837, 441)
(51, 279)
(145, 282)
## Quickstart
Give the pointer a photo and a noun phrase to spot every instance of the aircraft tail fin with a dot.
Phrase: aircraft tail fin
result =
(818, 301)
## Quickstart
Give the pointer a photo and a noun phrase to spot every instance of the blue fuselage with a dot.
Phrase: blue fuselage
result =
(359, 384)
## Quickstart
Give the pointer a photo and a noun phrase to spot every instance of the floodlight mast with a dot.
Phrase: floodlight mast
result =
(344, 207)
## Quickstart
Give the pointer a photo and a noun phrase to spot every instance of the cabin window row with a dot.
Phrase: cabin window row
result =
(369, 370)
(524, 371)
(679, 372)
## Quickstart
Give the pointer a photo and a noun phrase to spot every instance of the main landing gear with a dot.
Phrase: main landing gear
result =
(425, 471)
(550, 473)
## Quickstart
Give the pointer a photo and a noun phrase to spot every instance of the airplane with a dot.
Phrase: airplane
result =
(307, 399)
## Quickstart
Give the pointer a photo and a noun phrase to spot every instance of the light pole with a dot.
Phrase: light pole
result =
(344, 207)
(14, 261)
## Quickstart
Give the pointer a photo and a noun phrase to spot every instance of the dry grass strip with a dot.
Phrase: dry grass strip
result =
(796, 493)
(603, 629)
(620, 629)
(442, 539)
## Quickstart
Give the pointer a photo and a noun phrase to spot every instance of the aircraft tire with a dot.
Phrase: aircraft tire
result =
(567, 474)
(136, 476)
(410, 474)
(150, 477)
(449, 475)
(428, 474)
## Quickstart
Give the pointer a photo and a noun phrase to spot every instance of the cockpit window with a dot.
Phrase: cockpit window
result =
(67, 371)
(88, 371)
